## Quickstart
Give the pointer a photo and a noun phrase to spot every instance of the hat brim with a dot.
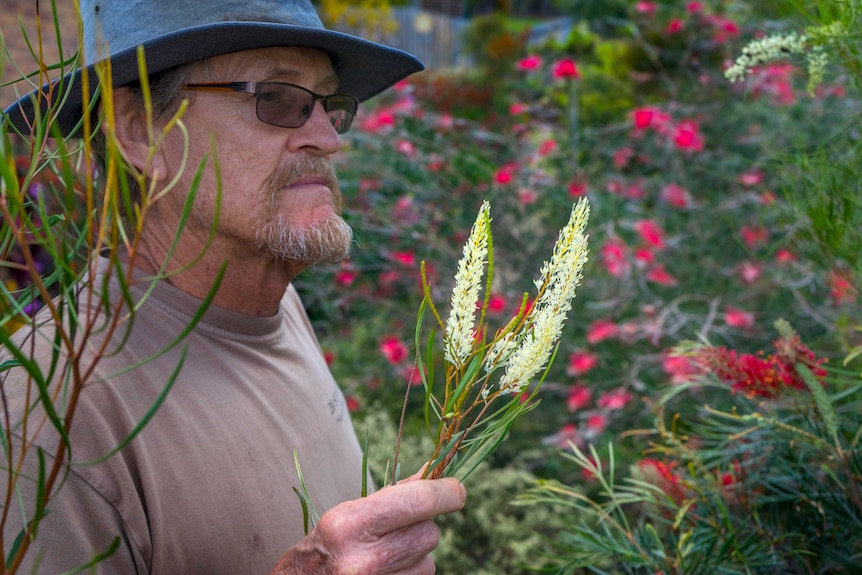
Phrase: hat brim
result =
(364, 68)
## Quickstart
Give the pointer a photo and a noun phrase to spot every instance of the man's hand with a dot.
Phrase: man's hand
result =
(388, 532)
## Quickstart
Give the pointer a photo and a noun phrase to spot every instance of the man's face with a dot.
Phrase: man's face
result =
(280, 197)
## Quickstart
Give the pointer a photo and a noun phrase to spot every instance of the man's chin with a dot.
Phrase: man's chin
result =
(326, 242)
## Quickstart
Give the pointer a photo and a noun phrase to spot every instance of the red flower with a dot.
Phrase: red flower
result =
(749, 272)
(580, 362)
(750, 178)
(566, 68)
(530, 63)
(841, 288)
(614, 256)
(663, 476)
(407, 258)
(680, 368)
(504, 174)
(405, 147)
(784, 256)
(647, 8)
(616, 399)
(577, 188)
(687, 136)
(622, 157)
(601, 330)
(596, 423)
(393, 349)
(674, 26)
(547, 147)
(650, 117)
(754, 237)
(579, 396)
(650, 232)
(676, 196)
(657, 274)
(738, 318)
(496, 304)
(353, 404)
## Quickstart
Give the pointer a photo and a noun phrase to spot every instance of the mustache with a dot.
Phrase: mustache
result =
(302, 168)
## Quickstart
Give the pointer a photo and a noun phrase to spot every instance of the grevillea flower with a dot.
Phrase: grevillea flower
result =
(760, 375)
(393, 349)
(601, 330)
(566, 68)
(530, 63)
(459, 337)
(580, 362)
(559, 279)
(579, 397)
(738, 318)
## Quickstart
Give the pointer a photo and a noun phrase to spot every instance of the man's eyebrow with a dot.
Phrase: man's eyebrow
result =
(275, 70)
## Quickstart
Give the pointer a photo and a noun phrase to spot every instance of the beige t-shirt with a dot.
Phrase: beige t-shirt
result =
(207, 487)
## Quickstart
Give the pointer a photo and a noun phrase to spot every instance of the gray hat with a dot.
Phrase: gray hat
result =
(175, 32)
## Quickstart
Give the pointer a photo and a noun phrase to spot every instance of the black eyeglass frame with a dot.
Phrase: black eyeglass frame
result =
(256, 87)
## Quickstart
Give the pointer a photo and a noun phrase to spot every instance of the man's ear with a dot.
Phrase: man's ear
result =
(133, 135)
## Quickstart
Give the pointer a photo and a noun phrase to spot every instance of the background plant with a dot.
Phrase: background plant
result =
(66, 222)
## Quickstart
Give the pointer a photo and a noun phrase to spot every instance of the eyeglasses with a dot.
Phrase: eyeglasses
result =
(288, 105)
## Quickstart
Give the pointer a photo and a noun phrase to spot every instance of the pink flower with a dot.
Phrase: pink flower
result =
(407, 258)
(784, 256)
(616, 399)
(687, 136)
(657, 274)
(674, 26)
(393, 349)
(650, 232)
(527, 196)
(754, 237)
(644, 257)
(329, 357)
(753, 177)
(547, 147)
(516, 109)
(600, 330)
(614, 254)
(596, 423)
(647, 8)
(346, 275)
(738, 318)
(378, 121)
(405, 147)
(566, 68)
(496, 304)
(504, 174)
(680, 368)
(622, 157)
(353, 404)
(694, 7)
(530, 63)
(650, 117)
(841, 288)
(580, 362)
(749, 272)
(577, 188)
(676, 196)
(579, 396)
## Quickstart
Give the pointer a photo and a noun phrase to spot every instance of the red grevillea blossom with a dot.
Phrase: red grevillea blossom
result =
(577, 188)
(680, 368)
(651, 233)
(651, 117)
(676, 196)
(841, 287)
(566, 68)
(530, 63)
(600, 330)
(580, 362)
(687, 136)
(659, 275)
(758, 375)
(754, 236)
(738, 318)
(663, 475)
(614, 255)
(578, 397)
(615, 399)
(393, 349)
(408, 258)
(648, 8)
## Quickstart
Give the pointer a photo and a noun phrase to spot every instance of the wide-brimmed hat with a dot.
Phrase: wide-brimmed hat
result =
(174, 32)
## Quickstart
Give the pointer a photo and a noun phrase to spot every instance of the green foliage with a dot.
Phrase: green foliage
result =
(757, 485)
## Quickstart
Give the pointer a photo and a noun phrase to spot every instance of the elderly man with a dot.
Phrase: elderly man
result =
(208, 485)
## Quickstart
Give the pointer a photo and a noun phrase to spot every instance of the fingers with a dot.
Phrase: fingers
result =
(409, 502)
(389, 532)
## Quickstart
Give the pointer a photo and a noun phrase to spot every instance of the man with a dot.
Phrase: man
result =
(208, 485)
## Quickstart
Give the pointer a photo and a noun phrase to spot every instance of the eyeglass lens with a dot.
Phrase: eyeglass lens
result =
(290, 106)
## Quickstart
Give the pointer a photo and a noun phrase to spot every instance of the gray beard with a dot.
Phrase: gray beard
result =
(325, 242)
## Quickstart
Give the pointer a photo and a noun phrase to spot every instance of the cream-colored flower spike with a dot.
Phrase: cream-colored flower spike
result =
(559, 280)
(460, 332)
